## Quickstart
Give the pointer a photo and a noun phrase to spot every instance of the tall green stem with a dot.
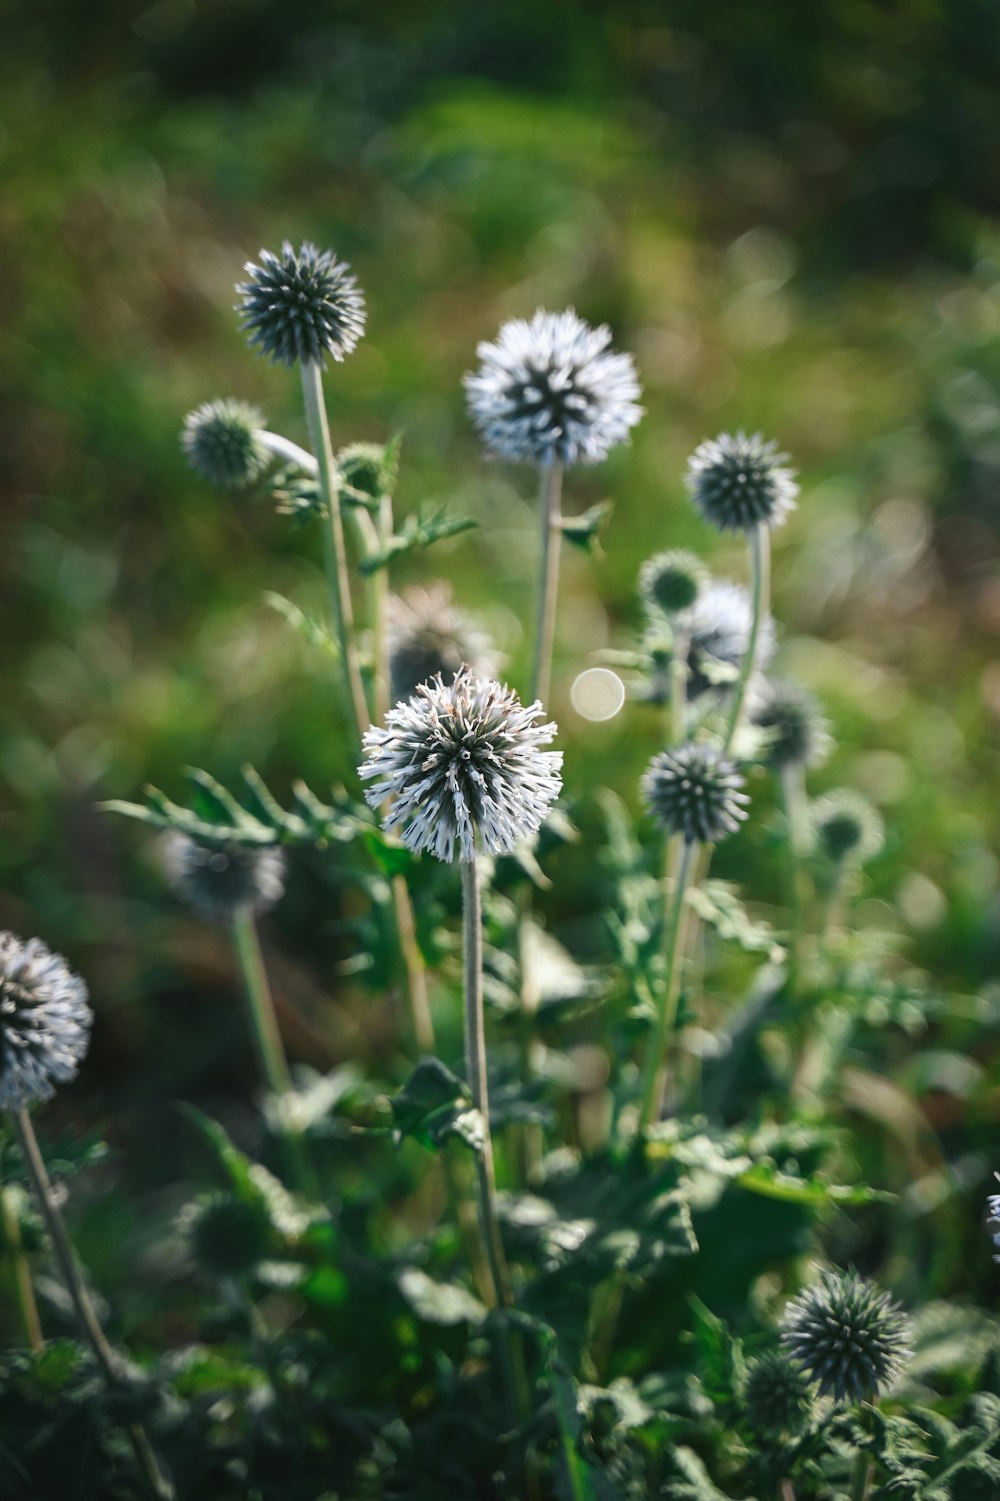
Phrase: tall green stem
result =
(476, 1075)
(655, 1073)
(760, 582)
(24, 1293)
(110, 1364)
(793, 797)
(334, 546)
(861, 1476)
(264, 1022)
(550, 518)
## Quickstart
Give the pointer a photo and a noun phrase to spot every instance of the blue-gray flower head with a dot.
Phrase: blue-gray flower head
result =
(718, 626)
(845, 827)
(225, 880)
(428, 636)
(738, 483)
(552, 390)
(45, 1022)
(776, 1395)
(691, 791)
(672, 581)
(221, 443)
(798, 730)
(460, 760)
(993, 1222)
(302, 305)
(848, 1335)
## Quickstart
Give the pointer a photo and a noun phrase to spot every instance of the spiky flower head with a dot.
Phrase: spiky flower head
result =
(301, 305)
(798, 730)
(224, 880)
(45, 1022)
(228, 1236)
(672, 581)
(738, 483)
(369, 470)
(221, 443)
(461, 761)
(693, 792)
(429, 637)
(845, 827)
(848, 1335)
(719, 625)
(776, 1395)
(552, 390)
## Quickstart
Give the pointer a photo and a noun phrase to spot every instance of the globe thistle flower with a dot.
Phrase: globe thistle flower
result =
(672, 581)
(719, 625)
(45, 1022)
(429, 637)
(738, 483)
(460, 761)
(691, 791)
(845, 827)
(228, 1236)
(221, 443)
(776, 1395)
(847, 1335)
(301, 305)
(551, 390)
(798, 729)
(225, 880)
(368, 470)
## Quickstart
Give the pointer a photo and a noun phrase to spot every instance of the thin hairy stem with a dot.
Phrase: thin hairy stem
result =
(334, 546)
(413, 962)
(861, 1476)
(759, 540)
(284, 448)
(793, 797)
(550, 518)
(655, 1074)
(380, 616)
(111, 1365)
(20, 1273)
(263, 1021)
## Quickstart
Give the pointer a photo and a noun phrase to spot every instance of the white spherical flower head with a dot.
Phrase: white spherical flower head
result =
(460, 762)
(45, 1022)
(552, 390)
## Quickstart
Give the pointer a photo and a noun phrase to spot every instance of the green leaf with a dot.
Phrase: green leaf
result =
(312, 631)
(418, 531)
(584, 530)
(443, 1303)
(718, 905)
(768, 1179)
(434, 1105)
(721, 1366)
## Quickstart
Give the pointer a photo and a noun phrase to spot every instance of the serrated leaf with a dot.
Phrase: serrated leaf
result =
(434, 1105)
(444, 1303)
(584, 530)
(418, 531)
(719, 906)
(312, 631)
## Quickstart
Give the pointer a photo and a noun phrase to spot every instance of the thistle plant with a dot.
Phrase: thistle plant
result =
(847, 1335)
(549, 392)
(45, 1026)
(460, 768)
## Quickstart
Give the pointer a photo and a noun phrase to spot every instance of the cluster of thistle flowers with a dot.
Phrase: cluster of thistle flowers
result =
(709, 627)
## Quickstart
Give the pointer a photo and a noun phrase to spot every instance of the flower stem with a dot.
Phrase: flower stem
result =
(24, 1293)
(270, 1051)
(284, 448)
(655, 1074)
(793, 797)
(550, 515)
(111, 1365)
(760, 572)
(413, 961)
(501, 1294)
(334, 546)
(861, 1476)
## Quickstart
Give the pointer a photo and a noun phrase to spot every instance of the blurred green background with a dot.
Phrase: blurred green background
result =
(787, 212)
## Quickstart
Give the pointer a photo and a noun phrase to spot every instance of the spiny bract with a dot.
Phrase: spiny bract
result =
(739, 482)
(694, 793)
(847, 1334)
(224, 880)
(301, 305)
(221, 443)
(460, 760)
(45, 1022)
(550, 390)
(798, 731)
(672, 581)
